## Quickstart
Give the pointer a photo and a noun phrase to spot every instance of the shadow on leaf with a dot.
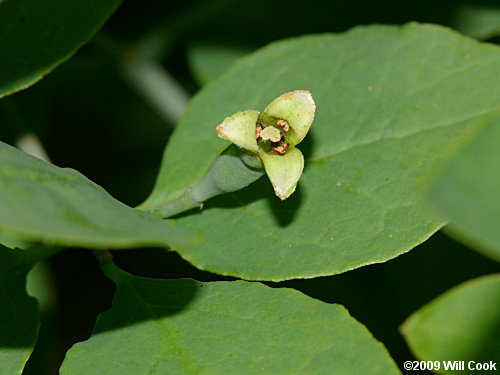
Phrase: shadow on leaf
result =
(141, 299)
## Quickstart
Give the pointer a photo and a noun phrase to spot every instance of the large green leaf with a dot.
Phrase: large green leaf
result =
(36, 36)
(19, 318)
(392, 102)
(461, 325)
(188, 327)
(468, 192)
(43, 203)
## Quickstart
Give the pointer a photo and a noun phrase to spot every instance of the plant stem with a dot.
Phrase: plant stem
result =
(158, 87)
(31, 144)
(146, 75)
(184, 203)
(232, 171)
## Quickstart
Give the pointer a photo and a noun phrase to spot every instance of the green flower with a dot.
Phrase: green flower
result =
(273, 134)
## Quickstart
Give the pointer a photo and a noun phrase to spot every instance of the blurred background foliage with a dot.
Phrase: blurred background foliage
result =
(90, 115)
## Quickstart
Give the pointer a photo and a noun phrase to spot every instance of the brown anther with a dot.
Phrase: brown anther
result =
(281, 149)
(257, 131)
(218, 128)
(283, 123)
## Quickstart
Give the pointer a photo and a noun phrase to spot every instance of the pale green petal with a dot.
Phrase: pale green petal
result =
(297, 108)
(240, 129)
(284, 171)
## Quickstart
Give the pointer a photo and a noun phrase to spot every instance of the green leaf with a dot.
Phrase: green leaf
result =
(284, 171)
(12, 243)
(392, 103)
(480, 22)
(468, 192)
(188, 327)
(36, 36)
(19, 318)
(210, 60)
(460, 325)
(43, 203)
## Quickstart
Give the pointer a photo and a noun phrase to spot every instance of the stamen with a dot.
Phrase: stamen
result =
(257, 132)
(283, 123)
(281, 149)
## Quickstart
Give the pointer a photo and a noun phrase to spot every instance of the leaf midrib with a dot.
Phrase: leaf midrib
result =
(403, 136)
(164, 328)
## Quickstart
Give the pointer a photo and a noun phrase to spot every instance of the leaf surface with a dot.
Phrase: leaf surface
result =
(188, 327)
(36, 36)
(40, 202)
(468, 192)
(392, 103)
(460, 325)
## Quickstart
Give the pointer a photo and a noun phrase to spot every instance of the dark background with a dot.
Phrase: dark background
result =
(89, 118)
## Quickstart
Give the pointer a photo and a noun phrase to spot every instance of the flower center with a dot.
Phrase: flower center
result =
(271, 138)
(270, 133)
